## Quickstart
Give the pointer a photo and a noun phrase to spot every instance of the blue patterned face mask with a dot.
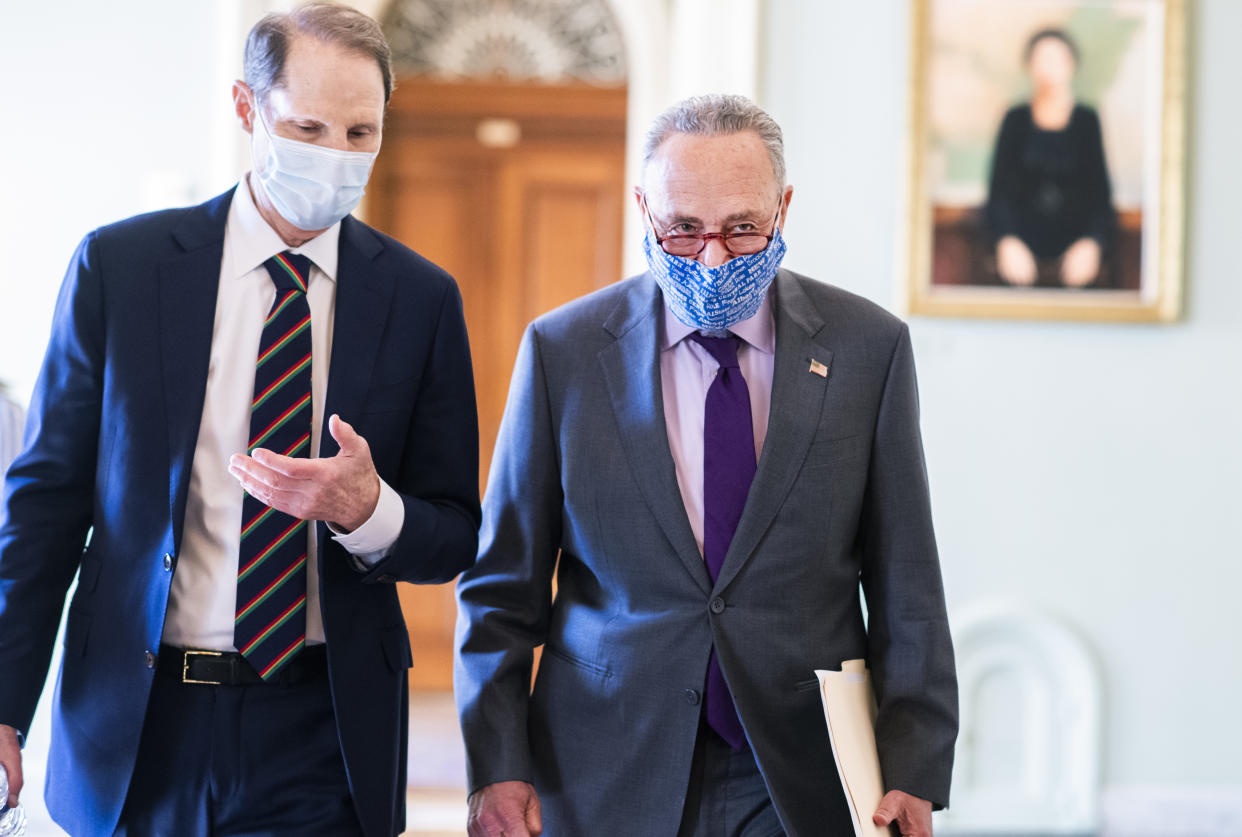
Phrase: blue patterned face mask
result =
(715, 298)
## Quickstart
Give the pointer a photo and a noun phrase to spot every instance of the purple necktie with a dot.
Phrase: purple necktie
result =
(728, 470)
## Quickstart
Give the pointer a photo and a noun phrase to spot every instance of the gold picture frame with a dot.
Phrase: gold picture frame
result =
(953, 262)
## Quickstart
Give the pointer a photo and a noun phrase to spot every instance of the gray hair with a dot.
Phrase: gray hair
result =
(718, 114)
(267, 46)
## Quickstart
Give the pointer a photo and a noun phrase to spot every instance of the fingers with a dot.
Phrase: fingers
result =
(911, 814)
(267, 486)
(253, 473)
(343, 488)
(299, 468)
(496, 823)
(11, 758)
(505, 809)
(887, 811)
(344, 434)
(534, 816)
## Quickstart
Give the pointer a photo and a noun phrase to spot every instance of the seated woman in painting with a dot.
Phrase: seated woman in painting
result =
(1049, 209)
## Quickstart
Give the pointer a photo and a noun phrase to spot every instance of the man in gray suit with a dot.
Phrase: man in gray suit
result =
(707, 459)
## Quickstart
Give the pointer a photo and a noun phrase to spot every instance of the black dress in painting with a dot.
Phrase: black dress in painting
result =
(1051, 188)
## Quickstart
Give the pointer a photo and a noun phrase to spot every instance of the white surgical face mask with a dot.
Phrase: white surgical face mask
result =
(312, 187)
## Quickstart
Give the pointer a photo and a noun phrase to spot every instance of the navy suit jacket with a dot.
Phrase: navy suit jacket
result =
(109, 444)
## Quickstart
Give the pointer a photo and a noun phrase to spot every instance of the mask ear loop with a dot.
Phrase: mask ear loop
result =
(260, 121)
(780, 214)
(650, 222)
(257, 111)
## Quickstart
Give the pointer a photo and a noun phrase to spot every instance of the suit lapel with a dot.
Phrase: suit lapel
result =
(797, 402)
(363, 294)
(187, 288)
(632, 371)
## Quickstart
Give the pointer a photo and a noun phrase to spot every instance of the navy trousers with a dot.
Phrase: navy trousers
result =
(239, 760)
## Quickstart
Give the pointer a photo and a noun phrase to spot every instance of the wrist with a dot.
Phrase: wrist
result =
(367, 509)
(18, 735)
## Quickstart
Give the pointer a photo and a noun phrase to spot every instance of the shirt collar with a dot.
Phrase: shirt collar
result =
(252, 241)
(758, 331)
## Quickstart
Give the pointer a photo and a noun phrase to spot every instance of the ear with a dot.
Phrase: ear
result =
(786, 199)
(244, 105)
(638, 197)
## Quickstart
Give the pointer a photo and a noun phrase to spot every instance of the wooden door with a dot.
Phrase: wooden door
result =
(517, 191)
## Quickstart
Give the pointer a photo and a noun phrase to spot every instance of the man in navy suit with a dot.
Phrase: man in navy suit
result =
(142, 467)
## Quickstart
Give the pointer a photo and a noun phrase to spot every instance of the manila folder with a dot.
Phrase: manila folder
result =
(849, 708)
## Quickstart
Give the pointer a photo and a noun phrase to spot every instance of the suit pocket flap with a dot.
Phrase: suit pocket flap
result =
(88, 574)
(77, 628)
(396, 644)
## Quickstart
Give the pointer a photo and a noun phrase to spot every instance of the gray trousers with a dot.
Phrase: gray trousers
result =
(726, 796)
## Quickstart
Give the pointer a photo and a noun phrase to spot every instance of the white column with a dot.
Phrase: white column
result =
(714, 47)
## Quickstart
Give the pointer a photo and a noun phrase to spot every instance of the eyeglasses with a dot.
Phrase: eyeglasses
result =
(738, 243)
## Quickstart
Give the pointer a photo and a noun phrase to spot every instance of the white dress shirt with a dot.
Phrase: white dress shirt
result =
(687, 371)
(202, 601)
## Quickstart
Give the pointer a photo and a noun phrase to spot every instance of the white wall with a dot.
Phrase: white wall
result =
(106, 115)
(1092, 470)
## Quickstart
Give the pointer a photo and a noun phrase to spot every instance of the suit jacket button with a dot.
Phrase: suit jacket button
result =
(692, 697)
(149, 658)
(168, 562)
(717, 605)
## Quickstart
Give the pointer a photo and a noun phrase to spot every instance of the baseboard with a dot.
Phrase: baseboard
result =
(1172, 811)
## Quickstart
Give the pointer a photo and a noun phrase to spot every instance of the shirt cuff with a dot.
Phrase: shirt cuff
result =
(371, 542)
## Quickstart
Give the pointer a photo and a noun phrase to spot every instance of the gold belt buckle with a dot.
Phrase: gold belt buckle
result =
(185, 665)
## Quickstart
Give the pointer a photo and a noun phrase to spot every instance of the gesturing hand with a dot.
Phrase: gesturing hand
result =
(341, 489)
(912, 815)
(505, 809)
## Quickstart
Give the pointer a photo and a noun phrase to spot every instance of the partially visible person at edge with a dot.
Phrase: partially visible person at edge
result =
(1050, 213)
(707, 460)
(11, 419)
(263, 409)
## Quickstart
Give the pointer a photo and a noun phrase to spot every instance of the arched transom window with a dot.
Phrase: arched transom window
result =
(552, 41)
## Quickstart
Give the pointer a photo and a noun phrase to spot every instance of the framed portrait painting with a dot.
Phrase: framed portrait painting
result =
(1046, 157)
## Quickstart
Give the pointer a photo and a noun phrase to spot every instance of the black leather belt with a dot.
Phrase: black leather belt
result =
(228, 668)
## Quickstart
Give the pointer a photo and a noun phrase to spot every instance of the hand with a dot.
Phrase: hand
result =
(912, 815)
(1081, 263)
(1014, 261)
(11, 758)
(342, 489)
(510, 809)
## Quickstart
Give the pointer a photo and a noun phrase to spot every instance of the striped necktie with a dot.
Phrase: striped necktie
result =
(270, 626)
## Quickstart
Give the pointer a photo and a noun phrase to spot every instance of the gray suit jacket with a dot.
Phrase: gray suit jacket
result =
(582, 470)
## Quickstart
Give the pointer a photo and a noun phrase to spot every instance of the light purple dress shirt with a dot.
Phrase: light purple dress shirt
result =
(686, 372)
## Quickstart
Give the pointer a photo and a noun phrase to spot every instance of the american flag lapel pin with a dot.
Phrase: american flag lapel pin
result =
(818, 368)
